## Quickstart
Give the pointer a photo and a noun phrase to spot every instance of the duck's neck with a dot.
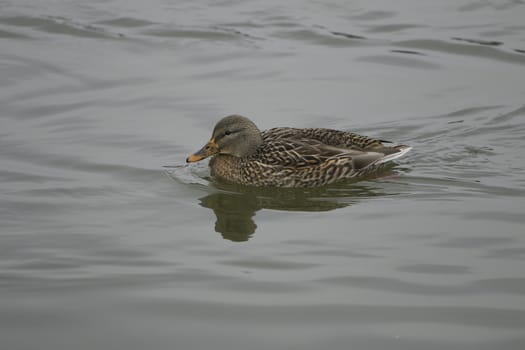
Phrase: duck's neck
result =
(226, 167)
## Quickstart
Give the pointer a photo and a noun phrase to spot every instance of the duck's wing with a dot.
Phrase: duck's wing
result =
(329, 137)
(307, 152)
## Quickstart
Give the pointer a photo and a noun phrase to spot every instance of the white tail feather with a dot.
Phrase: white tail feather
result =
(393, 156)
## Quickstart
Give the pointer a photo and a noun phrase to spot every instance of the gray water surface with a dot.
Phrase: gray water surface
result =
(101, 246)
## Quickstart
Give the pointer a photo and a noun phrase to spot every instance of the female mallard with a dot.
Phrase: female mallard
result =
(290, 157)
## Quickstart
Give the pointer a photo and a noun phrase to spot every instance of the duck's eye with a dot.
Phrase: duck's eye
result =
(227, 132)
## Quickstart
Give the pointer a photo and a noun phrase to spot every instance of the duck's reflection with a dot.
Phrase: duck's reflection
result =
(234, 212)
(235, 206)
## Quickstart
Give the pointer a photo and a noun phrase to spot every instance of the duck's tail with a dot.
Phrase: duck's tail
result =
(401, 151)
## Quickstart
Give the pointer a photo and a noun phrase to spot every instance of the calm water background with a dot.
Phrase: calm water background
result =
(102, 247)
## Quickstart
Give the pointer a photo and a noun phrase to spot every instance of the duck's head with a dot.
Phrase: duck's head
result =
(234, 135)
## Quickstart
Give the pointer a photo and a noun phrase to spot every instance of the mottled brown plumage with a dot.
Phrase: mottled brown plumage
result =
(291, 157)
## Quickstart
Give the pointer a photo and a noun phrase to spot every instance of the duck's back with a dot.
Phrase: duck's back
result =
(330, 137)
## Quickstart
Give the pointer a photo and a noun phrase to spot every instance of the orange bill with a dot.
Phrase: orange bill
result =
(208, 150)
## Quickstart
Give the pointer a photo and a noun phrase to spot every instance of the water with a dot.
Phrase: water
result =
(103, 247)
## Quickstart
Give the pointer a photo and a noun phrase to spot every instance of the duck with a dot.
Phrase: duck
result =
(291, 157)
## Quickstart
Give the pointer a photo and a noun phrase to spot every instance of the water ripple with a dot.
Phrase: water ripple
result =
(57, 25)
(479, 51)
(341, 313)
(514, 286)
(398, 61)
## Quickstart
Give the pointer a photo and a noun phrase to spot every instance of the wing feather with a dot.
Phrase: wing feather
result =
(298, 153)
